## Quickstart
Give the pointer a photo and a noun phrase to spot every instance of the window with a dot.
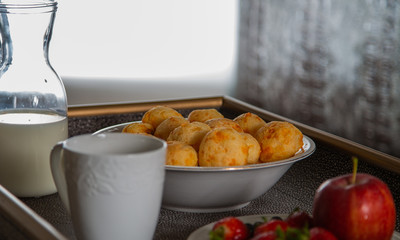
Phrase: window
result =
(134, 48)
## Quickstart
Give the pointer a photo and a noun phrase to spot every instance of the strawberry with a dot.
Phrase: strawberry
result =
(229, 228)
(299, 219)
(272, 225)
(317, 233)
(281, 232)
(266, 236)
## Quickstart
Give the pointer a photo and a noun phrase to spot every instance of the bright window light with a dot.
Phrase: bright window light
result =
(140, 39)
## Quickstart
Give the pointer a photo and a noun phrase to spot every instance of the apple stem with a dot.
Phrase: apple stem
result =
(355, 165)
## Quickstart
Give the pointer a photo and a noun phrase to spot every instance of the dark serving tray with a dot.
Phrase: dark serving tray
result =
(46, 218)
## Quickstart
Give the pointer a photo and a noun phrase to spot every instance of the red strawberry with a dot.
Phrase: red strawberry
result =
(265, 236)
(318, 233)
(271, 225)
(229, 228)
(299, 219)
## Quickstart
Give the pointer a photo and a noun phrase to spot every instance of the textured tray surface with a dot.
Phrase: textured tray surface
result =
(295, 189)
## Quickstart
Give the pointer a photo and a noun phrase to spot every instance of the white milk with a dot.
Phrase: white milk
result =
(26, 140)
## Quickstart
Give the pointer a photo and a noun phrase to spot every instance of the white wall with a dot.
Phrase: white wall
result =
(133, 50)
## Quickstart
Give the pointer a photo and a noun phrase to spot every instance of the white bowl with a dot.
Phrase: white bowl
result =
(218, 189)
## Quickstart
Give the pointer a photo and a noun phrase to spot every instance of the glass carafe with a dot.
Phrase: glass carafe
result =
(33, 104)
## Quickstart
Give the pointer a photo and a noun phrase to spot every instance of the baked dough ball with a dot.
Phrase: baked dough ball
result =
(254, 148)
(190, 133)
(181, 154)
(223, 147)
(165, 127)
(249, 122)
(157, 114)
(202, 115)
(139, 128)
(223, 122)
(278, 140)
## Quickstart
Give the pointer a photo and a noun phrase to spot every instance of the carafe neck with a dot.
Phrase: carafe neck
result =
(25, 33)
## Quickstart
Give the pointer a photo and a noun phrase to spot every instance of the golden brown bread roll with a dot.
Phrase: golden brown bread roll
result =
(254, 148)
(202, 115)
(218, 141)
(249, 122)
(157, 114)
(190, 133)
(223, 122)
(278, 140)
(223, 147)
(168, 125)
(139, 128)
(181, 154)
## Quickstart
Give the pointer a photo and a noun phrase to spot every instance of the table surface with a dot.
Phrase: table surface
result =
(295, 189)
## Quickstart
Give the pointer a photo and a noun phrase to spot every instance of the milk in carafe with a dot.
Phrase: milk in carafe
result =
(26, 140)
(33, 101)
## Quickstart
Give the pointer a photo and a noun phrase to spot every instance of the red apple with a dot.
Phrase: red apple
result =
(355, 208)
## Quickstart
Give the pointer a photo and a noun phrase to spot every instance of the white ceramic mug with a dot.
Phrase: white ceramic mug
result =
(111, 184)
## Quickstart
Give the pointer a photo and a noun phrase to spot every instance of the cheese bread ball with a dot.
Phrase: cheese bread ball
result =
(139, 128)
(223, 147)
(223, 122)
(202, 115)
(190, 133)
(181, 154)
(278, 140)
(157, 114)
(249, 122)
(165, 127)
(254, 148)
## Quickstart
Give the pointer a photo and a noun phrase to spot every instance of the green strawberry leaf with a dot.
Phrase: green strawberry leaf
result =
(217, 234)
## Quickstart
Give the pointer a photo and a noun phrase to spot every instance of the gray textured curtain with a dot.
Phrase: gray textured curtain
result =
(332, 64)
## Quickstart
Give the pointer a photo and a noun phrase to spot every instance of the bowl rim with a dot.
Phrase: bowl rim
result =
(307, 149)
